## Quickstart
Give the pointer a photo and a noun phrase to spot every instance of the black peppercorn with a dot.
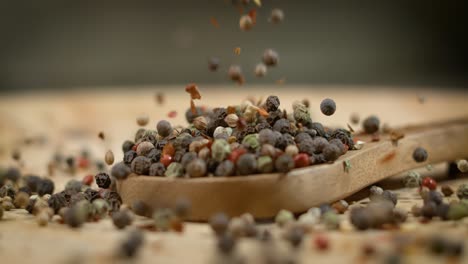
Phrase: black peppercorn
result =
(390, 196)
(12, 174)
(226, 243)
(219, 223)
(190, 115)
(127, 146)
(121, 219)
(120, 171)
(282, 126)
(284, 140)
(45, 186)
(8, 190)
(328, 107)
(371, 124)
(272, 103)
(246, 164)
(114, 200)
(57, 201)
(91, 194)
(25, 189)
(140, 165)
(302, 136)
(295, 236)
(344, 136)
(74, 217)
(76, 198)
(442, 211)
(164, 128)
(182, 208)
(157, 169)
(429, 209)
(225, 168)
(284, 163)
(129, 156)
(32, 181)
(188, 157)
(130, 246)
(103, 180)
(73, 186)
(435, 197)
(318, 127)
(267, 136)
(331, 152)
(420, 154)
(360, 218)
(306, 146)
(141, 208)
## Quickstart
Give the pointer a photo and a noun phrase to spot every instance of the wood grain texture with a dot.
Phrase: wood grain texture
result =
(264, 195)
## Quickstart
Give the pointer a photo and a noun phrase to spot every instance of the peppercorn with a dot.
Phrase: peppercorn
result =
(429, 209)
(75, 217)
(446, 190)
(462, 165)
(295, 236)
(45, 186)
(174, 169)
(129, 156)
(91, 194)
(13, 174)
(284, 163)
(260, 70)
(73, 186)
(284, 140)
(340, 206)
(141, 208)
(226, 243)
(435, 197)
(321, 242)
(222, 133)
(272, 103)
(140, 165)
(245, 23)
(429, 183)
(301, 114)
(283, 217)
(225, 168)
(251, 142)
(219, 223)
(235, 73)
(412, 179)
(220, 149)
(457, 211)
(277, 16)
(120, 171)
(361, 218)
(301, 160)
(121, 219)
(21, 200)
(331, 152)
(114, 200)
(196, 168)
(344, 136)
(7, 190)
(144, 148)
(213, 64)
(291, 150)
(420, 154)
(270, 58)
(246, 164)
(265, 164)
(103, 180)
(328, 107)
(164, 128)
(127, 146)
(142, 120)
(462, 191)
(132, 244)
(371, 124)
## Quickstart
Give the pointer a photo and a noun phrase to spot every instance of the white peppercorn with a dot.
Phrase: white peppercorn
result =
(231, 120)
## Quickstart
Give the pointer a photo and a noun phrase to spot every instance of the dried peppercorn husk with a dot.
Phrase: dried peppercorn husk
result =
(192, 89)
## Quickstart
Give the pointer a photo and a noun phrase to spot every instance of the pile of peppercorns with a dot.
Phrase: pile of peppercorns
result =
(237, 140)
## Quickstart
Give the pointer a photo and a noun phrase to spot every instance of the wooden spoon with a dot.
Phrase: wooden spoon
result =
(263, 195)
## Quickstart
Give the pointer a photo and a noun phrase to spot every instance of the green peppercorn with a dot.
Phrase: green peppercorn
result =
(420, 154)
(140, 165)
(412, 179)
(220, 149)
(371, 124)
(284, 163)
(283, 217)
(457, 211)
(246, 164)
(162, 219)
(301, 114)
(462, 165)
(175, 169)
(462, 191)
(121, 219)
(164, 128)
(251, 141)
(328, 107)
(196, 168)
(265, 164)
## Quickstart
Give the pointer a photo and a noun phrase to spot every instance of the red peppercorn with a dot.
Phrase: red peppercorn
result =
(166, 160)
(235, 154)
(429, 183)
(88, 180)
(134, 148)
(301, 160)
(83, 163)
(172, 114)
(321, 242)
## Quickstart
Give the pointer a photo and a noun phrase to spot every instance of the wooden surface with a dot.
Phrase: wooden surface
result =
(70, 122)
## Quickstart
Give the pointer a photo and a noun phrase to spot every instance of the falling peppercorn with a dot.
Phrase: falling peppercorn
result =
(121, 219)
(103, 180)
(277, 16)
(328, 107)
(420, 154)
(371, 124)
(270, 58)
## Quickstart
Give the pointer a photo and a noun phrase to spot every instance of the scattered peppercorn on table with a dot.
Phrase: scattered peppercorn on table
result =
(34, 127)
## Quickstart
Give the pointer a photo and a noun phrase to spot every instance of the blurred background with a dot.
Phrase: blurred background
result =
(110, 43)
